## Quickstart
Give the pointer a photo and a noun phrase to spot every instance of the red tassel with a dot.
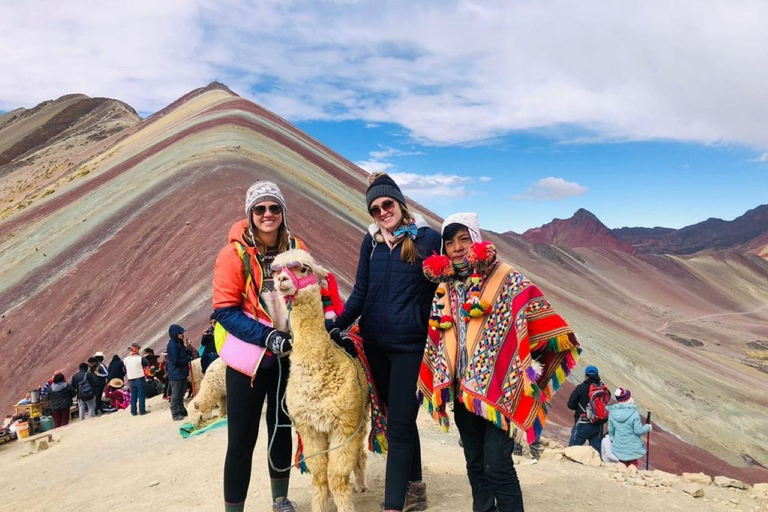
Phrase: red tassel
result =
(333, 290)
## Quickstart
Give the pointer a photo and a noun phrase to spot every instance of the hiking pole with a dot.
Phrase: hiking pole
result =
(648, 442)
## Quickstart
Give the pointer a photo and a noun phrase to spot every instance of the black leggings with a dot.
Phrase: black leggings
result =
(395, 375)
(244, 405)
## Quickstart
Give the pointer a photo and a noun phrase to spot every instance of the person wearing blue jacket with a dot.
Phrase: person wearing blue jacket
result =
(392, 300)
(179, 355)
(625, 429)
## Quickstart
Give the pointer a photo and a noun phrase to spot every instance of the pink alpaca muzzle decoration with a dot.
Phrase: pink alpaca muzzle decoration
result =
(290, 269)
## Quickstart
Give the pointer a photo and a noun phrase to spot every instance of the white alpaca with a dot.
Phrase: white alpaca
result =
(326, 394)
(212, 393)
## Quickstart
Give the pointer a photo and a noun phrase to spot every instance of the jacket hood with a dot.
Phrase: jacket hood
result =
(622, 412)
(417, 219)
(174, 331)
(58, 386)
(237, 231)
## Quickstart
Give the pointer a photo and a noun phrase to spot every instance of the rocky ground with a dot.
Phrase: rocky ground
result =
(142, 464)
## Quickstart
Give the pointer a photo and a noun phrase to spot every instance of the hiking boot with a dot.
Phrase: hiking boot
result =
(283, 505)
(178, 418)
(416, 497)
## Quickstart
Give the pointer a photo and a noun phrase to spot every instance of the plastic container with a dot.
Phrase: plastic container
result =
(34, 396)
(22, 429)
(46, 423)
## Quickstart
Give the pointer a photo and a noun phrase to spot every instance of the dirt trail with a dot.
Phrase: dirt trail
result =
(119, 462)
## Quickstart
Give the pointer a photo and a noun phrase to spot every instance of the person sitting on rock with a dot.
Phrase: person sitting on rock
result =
(585, 430)
(625, 429)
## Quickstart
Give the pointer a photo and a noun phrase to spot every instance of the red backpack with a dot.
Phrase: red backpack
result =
(599, 398)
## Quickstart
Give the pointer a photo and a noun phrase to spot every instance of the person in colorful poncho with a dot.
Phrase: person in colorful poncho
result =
(498, 350)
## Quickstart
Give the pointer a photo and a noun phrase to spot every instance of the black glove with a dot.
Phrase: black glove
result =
(343, 341)
(278, 342)
(330, 325)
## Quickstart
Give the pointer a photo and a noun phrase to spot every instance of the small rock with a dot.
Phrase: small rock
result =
(734, 501)
(697, 478)
(723, 481)
(760, 488)
(639, 482)
(187, 223)
(583, 455)
(695, 490)
(154, 483)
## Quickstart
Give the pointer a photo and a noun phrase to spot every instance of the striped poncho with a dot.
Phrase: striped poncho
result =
(519, 353)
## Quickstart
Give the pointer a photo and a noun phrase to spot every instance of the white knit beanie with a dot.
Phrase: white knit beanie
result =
(264, 191)
(468, 219)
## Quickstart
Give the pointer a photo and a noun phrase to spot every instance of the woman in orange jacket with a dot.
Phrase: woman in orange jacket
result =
(243, 288)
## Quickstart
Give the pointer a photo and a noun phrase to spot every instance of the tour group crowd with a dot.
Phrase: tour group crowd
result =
(438, 314)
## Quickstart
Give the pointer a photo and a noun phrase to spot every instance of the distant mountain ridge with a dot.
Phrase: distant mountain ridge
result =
(747, 233)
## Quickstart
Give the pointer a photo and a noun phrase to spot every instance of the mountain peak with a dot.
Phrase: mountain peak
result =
(583, 229)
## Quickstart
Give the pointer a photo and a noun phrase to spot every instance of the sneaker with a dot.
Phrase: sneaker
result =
(283, 505)
(416, 497)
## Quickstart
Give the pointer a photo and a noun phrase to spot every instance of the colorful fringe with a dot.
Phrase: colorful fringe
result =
(377, 438)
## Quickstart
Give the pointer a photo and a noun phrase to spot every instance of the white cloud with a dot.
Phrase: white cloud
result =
(427, 185)
(372, 166)
(551, 189)
(761, 158)
(485, 178)
(453, 72)
(388, 152)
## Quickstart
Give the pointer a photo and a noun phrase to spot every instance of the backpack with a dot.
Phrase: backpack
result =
(599, 398)
(85, 390)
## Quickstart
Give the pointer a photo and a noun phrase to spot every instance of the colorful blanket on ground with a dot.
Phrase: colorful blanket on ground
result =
(519, 354)
(377, 437)
(189, 430)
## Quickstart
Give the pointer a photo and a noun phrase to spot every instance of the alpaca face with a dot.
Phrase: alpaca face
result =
(295, 269)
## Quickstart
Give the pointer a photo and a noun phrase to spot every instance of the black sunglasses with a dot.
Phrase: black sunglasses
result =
(387, 205)
(274, 209)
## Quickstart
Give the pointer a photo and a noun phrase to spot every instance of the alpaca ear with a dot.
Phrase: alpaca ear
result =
(319, 271)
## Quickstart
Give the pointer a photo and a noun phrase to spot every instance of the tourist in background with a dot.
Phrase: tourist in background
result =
(60, 399)
(625, 428)
(84, 382)
(101, 372)
(116, 369)
(179, 355)
(585, 428)
(135, 370)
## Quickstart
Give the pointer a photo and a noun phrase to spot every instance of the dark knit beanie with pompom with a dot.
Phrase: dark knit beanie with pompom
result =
(382, 185)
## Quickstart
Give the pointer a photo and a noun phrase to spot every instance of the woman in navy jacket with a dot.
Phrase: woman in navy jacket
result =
(392, 298)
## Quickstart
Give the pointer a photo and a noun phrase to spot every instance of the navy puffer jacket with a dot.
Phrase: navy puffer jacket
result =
(391, 297)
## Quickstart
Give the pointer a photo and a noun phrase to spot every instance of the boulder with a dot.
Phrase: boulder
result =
(695, 490)
(552, 454)
(583, 455)
(697, 478)
(724, 481)
(761, 488)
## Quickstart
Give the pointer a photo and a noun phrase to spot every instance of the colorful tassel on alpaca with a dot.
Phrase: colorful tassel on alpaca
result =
(299, 459)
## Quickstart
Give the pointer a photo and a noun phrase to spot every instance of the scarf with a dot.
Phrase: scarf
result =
(395, 238)
(519, 354)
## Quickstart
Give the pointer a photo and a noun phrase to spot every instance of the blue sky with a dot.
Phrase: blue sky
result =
(648, 184)
(646, 113)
